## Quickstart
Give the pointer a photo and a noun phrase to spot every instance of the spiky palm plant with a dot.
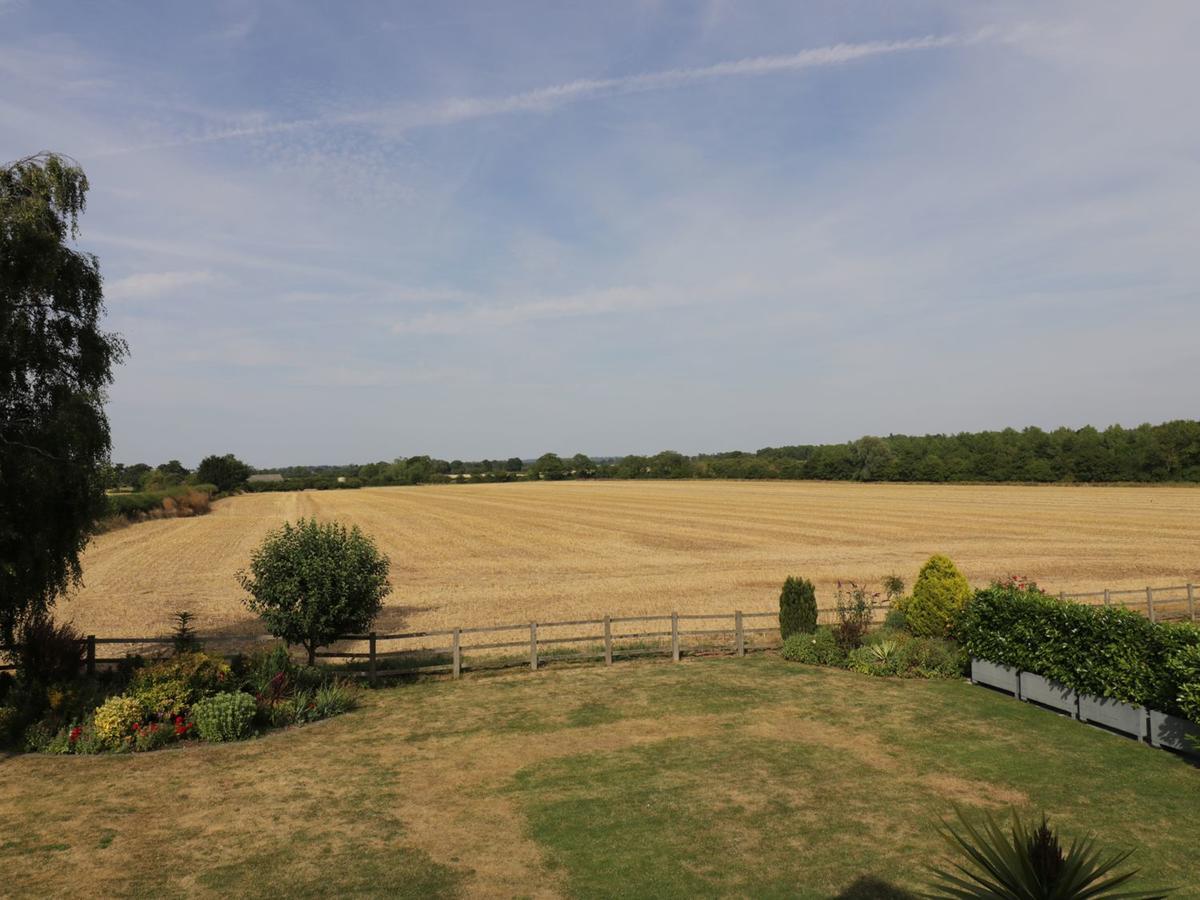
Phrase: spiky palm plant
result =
(1027, 863)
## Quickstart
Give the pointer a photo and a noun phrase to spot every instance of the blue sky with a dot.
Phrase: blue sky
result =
(356, 231)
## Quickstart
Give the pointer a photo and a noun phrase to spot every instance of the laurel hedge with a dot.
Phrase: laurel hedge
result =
(1103, 651)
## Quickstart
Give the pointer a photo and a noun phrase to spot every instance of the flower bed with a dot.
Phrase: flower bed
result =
(147, 705)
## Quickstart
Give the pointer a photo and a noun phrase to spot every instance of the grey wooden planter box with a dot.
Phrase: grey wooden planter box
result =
(1049, 693)
(1114, 714)
(1171, 731)
(1005, 678)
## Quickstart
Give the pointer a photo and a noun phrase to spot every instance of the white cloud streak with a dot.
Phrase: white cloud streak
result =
(463, 109)
(148, 285)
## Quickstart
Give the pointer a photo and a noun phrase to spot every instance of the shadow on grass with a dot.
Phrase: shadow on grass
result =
(868, 887)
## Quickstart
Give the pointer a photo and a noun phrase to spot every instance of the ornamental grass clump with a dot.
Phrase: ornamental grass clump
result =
(224, 717)
(1026, 863)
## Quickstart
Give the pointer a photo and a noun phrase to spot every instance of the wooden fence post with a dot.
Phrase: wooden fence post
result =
(739, 633)
(533, 659)
(675, 636)
(1062, 595)
(371, 676)
(607, 641)
(1150, 602)
(456, 653)
(1191, 601)
(91, 654)
(1107, 598)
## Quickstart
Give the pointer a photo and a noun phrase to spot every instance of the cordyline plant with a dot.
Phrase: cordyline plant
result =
(312, 582)
(1025, 863)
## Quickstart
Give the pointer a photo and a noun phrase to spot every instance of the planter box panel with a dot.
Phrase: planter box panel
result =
(1172, 731)
(1113, 714)
(1005, 678)
(1049, 693)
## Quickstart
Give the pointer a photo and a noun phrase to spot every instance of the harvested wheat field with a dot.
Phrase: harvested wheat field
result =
(466, 555)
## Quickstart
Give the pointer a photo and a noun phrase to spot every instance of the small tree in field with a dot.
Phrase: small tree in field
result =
(311, 582)
(797, 607)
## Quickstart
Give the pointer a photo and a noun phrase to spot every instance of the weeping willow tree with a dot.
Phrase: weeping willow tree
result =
(55, 366)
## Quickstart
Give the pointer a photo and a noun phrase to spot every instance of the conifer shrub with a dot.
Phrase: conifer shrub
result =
(797, 607)
(937, 600)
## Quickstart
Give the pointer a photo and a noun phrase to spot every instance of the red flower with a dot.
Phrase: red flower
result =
(75, 733)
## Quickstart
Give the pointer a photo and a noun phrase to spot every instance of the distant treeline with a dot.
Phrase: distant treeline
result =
(1149, 453)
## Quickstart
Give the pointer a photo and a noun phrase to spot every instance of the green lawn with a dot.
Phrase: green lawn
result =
(715, 777)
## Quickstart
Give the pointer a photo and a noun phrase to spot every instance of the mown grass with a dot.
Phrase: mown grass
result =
(716, 777)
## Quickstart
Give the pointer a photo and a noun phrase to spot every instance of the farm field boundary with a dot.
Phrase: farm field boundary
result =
(532, 643)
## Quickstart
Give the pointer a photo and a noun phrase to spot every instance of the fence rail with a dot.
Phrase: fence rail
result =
(609, 641)
(1159, 604)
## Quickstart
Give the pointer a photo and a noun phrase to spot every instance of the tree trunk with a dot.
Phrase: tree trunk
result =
(312, 653)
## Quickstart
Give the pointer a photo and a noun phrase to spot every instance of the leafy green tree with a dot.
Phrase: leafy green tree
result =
(582, 466)
(55, 366)
(226, 472)
(134, 474)
(937, 600)
(797, 607)
(311, 582)
(174, 467)
(514, 464)
(549, 466)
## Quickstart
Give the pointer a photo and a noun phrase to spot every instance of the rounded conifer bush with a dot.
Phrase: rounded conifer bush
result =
(937, 600)
(797, 607)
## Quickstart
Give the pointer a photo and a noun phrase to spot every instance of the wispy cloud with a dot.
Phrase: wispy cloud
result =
(147, 285)
(397, 119)
(586, 303)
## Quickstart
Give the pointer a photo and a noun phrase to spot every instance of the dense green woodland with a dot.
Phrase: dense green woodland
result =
(1149, 453)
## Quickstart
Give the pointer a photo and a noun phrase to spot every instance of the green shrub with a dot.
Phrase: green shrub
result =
(169, 687)
(897, 653)
(1183, 670)
(934, 658)
(312, 582)
(224, 717)
(797, 607)
(821, 648)
(882, 657)
(1104, 651)
(937, 600)
(48, 651)
(115, 718)
(895, 620)
(855, 613)
(10, 724)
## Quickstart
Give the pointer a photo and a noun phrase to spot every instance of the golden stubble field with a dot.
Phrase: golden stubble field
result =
(466, 555)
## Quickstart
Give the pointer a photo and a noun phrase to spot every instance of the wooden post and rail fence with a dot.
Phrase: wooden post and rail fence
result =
(667, 637)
